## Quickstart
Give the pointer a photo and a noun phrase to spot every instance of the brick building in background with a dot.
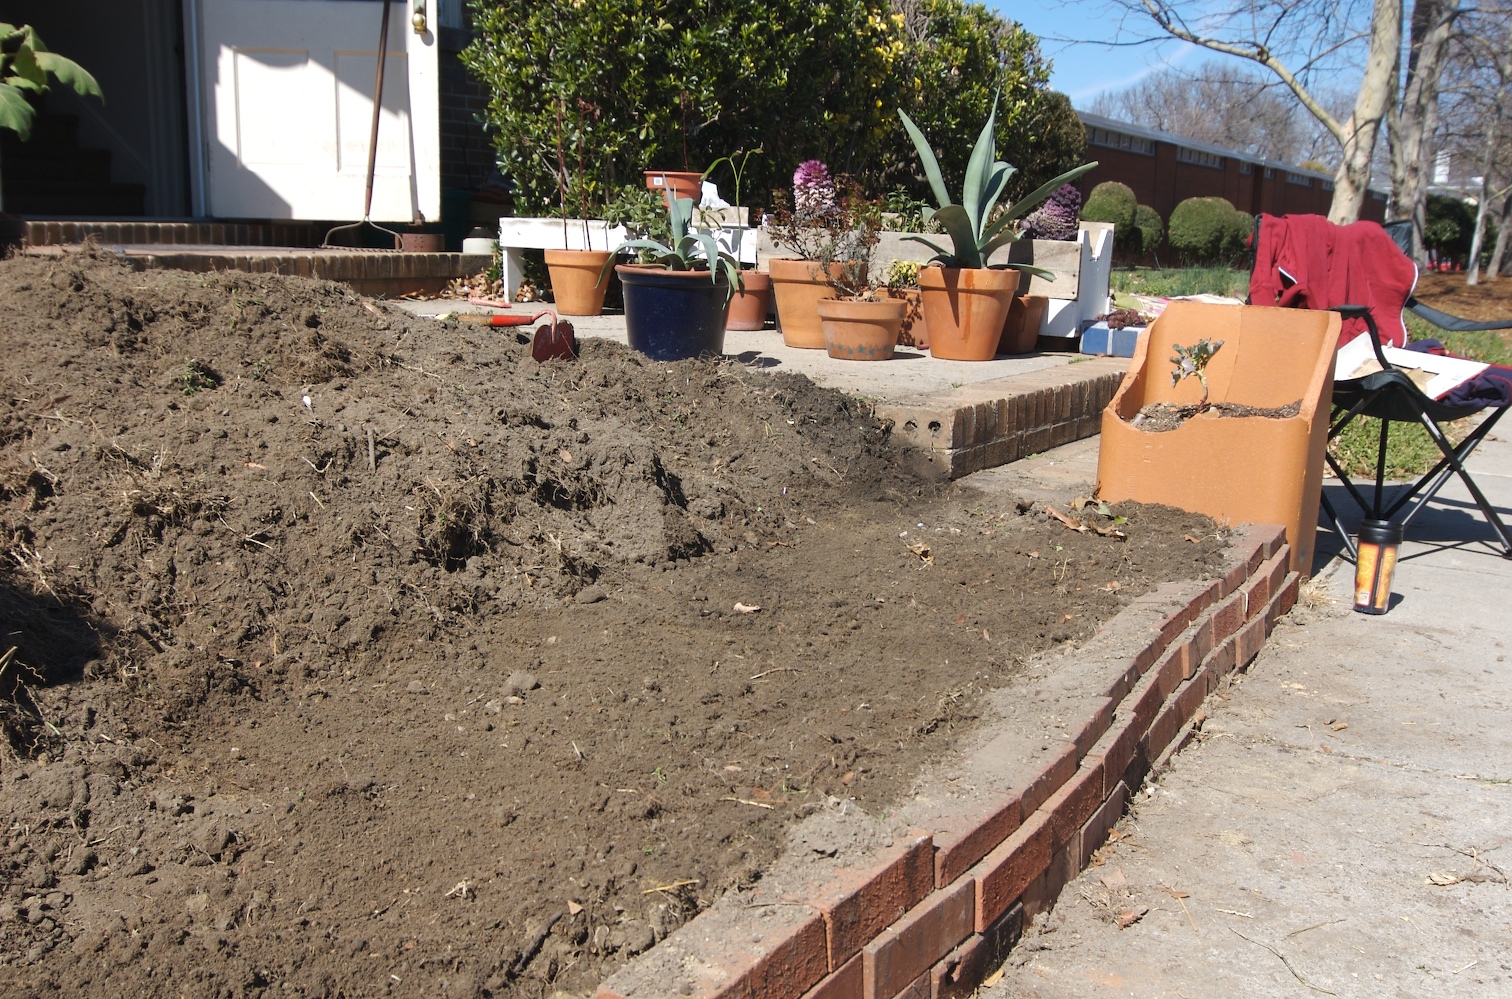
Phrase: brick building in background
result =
(1164, 170)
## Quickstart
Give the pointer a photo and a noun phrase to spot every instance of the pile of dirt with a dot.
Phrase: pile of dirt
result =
(359, 654)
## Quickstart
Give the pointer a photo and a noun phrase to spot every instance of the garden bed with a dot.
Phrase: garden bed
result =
(360, 655)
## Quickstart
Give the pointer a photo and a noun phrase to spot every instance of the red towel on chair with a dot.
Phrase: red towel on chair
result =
(1307, 262)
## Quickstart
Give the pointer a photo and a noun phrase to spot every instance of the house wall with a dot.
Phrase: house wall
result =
(467, 159)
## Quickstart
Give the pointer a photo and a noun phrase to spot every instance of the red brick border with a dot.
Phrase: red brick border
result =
(932, 914)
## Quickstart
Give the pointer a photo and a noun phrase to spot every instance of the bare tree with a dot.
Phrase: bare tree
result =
(1221, 104)
(1323, 34)
(1478, 119)
(1413, 121)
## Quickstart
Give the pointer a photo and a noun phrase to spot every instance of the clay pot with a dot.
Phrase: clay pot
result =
(914, 331)
(578, 280)
(966, 309)
(798, 285)
(1236, 469)
(1021, 331)
(748, 309)
(422, 242)
(673, 315)
(675, 183)
(861, 331)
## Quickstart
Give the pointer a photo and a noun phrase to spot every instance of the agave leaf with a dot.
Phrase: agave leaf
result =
(1000, 173)
(69, 72)
(15, 112)
(958, 226)
(983, 154)
(1038, 272)
(927, 160)
(711, 251)
(1039, 194)
(996, 243)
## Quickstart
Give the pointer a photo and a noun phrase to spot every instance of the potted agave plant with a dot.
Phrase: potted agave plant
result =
(579, 278)
(832, 229)
(748, 309)
(677, 296)
(966, 299)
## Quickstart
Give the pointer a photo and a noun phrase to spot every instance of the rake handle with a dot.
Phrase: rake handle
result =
(372, 164)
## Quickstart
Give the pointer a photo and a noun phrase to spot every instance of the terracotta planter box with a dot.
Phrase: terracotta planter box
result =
(1235, 469)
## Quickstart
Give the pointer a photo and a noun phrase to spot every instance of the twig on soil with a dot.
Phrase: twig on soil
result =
(774, 669)
(316, 499)
(533, 947)
(746, 801)
(372, 454)
(674, 885)
(1234, 912)
(1315, 988)
(1314, 926)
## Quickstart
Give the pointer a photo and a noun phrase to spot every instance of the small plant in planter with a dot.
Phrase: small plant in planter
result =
(579, 279)
(901, 281)
(748, 309)
(1193, 360)
(860, 322)
(677, 294)
(833, 230)
(966, 300)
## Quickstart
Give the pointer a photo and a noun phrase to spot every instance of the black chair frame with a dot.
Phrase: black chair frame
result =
(1391, 396)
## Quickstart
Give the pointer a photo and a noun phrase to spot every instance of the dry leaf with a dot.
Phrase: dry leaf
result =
(1070, 522)
(573, 908)
(1174, 893)
(992, 979)
(1115, 585)
(1444, 880)
(1188, 537)
(1067, 617)
(1115, 879)
(847, 777)
(1034, 555)
(920, 549)
(1128, 917)
(741, 608)
(1339, 726)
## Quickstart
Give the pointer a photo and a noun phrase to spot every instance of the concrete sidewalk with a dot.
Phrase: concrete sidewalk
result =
(1341, 825)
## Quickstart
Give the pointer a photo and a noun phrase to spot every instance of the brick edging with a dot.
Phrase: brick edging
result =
(937, 910)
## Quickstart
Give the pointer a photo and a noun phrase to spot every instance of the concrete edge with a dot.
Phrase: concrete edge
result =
(1149, 672)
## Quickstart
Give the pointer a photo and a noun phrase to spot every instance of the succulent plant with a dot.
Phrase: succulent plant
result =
(1193, 360)
(689, 251)
(1056, 218)
(975, 232)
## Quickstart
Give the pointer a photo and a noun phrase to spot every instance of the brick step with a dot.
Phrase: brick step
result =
(158, 232)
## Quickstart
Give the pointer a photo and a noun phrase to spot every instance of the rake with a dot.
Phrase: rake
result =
(367, 233)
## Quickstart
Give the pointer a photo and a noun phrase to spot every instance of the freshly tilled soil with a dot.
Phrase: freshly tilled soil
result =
(357, 654)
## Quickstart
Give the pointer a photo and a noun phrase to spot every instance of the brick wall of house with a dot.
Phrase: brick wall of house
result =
(467, 159)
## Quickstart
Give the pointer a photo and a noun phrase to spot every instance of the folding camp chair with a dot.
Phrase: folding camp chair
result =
(1389, 394)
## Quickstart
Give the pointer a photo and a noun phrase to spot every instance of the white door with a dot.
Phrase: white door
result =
(285, 96)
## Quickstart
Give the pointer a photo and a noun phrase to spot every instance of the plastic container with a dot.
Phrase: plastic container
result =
(1377, 547)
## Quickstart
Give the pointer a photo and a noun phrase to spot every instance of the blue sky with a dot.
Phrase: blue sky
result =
(1084, 68)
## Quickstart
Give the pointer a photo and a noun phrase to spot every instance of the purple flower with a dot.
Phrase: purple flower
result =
(813, 190)
(1056, 218)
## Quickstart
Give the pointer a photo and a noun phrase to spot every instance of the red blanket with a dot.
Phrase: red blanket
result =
(1307, 262)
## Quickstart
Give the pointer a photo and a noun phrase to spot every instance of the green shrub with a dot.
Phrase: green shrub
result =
(1113, 202)
(1209, 230)
(1174, 282)
(1448, 227)
(1151, 229)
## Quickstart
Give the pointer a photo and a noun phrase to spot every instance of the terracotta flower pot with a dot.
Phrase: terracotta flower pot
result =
(1021, 331)
(966, 309)
(798, 286)
(675, 183)
(578, 280)
(914, 331)
(1257, 469)
(861, 331)
(748, 309)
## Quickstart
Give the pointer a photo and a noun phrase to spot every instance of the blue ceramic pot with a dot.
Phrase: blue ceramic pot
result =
(673, 315)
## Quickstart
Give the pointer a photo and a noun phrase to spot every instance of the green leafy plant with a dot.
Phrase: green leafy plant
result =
(1193, 360)
(738, 169)
(901, 274)
(643, 213)
(687, 249)
(25, 65)
(196, 376)
(976, 228)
